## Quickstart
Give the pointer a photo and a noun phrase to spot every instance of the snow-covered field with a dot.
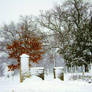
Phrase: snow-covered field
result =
(36, 84)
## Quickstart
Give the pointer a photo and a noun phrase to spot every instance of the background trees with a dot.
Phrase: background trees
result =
(67, 27)
(70, 23)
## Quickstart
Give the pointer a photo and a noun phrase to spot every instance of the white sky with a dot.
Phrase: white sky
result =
(10, 10)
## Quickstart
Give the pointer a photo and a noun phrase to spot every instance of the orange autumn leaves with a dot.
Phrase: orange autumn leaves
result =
(28, 45)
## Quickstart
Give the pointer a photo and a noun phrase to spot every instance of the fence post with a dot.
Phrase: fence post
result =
(24, 67)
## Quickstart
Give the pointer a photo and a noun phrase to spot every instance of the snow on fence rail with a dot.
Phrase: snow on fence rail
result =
(38, 71)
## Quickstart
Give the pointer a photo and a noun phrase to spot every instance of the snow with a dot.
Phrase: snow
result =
(36, 70)
(2, 39)
(91, 69)
(36, 84)
(59, 71)
(6, 84)
(24, 56)
(3, 54)
(6, 72)
(49, 84)
(58, 67)
(33, 68)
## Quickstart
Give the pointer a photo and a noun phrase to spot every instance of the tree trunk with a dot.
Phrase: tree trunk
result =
(86, 68)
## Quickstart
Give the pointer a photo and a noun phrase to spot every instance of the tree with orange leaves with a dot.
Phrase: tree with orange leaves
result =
(27, 44)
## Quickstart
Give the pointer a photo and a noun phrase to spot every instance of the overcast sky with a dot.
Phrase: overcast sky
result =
(10, 10)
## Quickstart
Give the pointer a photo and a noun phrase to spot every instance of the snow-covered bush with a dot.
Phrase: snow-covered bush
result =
(6, 71)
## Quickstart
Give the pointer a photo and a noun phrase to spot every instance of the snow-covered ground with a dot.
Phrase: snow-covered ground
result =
(36, 84)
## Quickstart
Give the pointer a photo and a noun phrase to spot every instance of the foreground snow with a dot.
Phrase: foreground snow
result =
(36, 84)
